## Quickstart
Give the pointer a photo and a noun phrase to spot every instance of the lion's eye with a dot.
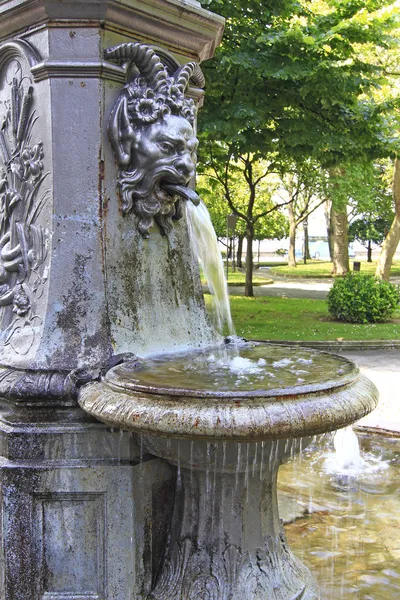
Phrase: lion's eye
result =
(167, 147)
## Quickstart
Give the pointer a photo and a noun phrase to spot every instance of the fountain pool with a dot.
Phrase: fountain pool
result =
(343, 525)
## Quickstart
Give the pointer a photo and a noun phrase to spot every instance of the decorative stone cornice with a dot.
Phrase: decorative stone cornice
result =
(88, 69)
(177, 24)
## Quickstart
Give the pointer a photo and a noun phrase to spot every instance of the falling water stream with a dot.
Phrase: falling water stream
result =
(205, 245)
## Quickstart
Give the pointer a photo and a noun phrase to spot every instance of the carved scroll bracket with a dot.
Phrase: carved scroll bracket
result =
(19, 49)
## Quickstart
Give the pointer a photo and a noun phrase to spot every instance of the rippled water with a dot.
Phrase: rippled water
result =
(344, 526)
(248, 368)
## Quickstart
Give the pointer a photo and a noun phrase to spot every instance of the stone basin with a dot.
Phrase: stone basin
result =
(227, 418)
(296, 393)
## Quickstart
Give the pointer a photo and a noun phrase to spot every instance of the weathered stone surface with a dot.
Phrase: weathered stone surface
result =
(226, 538)
(181, 26)
(81, 516)
(87, 275)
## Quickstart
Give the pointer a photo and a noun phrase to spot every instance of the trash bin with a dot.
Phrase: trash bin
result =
(356, 266)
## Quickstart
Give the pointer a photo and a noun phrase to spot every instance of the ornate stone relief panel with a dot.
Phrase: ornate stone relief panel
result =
(23, 194)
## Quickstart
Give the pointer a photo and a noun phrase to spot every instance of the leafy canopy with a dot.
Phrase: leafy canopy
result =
(296, 79)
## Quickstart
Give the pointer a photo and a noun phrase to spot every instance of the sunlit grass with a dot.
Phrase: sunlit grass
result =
(300, 319)
(324, 269)
(238, 278)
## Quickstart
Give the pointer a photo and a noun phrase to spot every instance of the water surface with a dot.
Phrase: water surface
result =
(250, 368)
(346, 527)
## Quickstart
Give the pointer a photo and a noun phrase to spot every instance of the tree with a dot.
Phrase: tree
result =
(245, 187)
(304, 185)
(358, 188)
(369, 231)
(289, 80)
(393, 237)
(372, 211)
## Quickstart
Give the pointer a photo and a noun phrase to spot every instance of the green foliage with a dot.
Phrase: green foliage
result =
(359, 298)
(372, 203)
(361, 185)
(299, 79)
(368, 230)
(268, 224)
(295, 80)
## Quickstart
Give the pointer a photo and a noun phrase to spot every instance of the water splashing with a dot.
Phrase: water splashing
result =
(205, 245)
(347, 450)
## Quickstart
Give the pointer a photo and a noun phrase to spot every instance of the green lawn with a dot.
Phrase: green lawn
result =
(300, 319)
(317, 268)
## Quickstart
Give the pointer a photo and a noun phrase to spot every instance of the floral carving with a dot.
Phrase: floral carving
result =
(193, 573)
(21, 302)
(23, 242)
(31, 160)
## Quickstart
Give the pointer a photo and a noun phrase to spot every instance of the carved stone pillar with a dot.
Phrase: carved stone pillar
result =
(78, 513)
(69, 262)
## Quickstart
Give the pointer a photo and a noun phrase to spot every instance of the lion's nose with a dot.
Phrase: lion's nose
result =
(185, 166)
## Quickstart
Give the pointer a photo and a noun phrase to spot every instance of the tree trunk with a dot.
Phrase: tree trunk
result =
(292, 237)
(340, 241)
(369, 251)
(239, 252)
(307, 255)
(328, 219)
(392, 239)
(248, 289)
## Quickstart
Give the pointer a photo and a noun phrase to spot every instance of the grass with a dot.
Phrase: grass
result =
(300, 319)
(317, 268)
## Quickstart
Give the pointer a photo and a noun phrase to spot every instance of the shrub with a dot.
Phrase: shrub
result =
(360, 298)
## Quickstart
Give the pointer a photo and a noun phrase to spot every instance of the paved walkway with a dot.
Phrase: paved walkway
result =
(382, 367)
(282, 288)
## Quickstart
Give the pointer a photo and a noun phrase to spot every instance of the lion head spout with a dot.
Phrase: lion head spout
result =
(152, 135)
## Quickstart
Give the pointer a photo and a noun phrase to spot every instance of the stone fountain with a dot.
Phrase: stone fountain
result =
(157, 487)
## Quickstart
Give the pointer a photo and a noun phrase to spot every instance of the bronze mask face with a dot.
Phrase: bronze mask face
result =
(153, 140)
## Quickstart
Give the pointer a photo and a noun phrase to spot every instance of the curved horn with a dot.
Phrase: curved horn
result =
(147, 61)
(198, 77)
(183, 75)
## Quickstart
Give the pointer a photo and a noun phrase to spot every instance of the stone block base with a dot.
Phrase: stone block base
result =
(82, 516)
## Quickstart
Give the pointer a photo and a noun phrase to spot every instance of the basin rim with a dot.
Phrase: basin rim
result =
(256, 419)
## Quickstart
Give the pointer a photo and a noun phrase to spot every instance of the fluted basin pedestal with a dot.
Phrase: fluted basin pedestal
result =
(226, 541)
